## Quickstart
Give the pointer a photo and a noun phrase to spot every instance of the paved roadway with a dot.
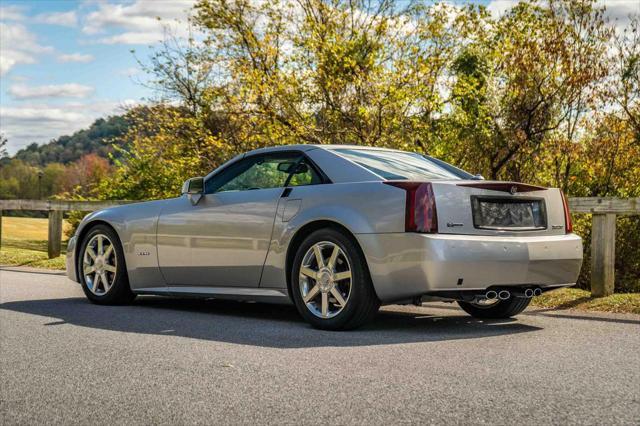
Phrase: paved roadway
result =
(163, 361)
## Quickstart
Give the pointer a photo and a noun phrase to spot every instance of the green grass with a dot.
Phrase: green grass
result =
(575, 298)
(24, 243)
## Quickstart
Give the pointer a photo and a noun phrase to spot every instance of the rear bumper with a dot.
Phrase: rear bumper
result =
(71, 259)
(405, 265)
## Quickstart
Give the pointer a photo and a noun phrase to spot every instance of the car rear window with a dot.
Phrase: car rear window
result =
(397, 165)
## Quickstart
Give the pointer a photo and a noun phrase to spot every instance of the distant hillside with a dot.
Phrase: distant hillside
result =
(98, 139)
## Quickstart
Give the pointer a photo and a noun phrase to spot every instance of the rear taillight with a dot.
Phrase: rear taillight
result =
(421, 215)
(568, 226)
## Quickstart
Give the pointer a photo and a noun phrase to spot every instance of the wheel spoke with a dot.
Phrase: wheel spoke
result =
(318, 253)
(325, 304)
(88, 269)
(331, 264)
(105, 282)
(110, 268)
(96, 282)
(91, 253)
(308, 272)
(338, 296)
(100, 245)
(312, 293)
(342, 276)
(108, 251)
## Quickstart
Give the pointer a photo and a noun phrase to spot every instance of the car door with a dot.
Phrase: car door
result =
(222, 241)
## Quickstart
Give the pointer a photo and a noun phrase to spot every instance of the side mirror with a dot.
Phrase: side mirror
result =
(194, 189)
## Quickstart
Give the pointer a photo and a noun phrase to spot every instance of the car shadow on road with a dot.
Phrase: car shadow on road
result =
(258, 324)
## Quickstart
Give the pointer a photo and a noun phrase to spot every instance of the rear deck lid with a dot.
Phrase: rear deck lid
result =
(498, 208)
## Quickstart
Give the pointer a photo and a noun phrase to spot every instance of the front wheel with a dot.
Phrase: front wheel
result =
(330, 282)
(101, 268)
(496, 309)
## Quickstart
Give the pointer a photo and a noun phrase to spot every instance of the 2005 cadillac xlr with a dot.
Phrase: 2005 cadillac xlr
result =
(338, 231)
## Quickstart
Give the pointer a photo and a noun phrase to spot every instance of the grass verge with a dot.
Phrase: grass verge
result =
(24, 243)
(575, 298)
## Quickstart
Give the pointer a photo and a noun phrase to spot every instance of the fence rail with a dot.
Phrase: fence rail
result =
(603, 234)
(604, 205)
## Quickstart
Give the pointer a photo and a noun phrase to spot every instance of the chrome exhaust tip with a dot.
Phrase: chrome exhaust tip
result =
(528, 293)
(504, 295)
(537, 292)
(491, 295)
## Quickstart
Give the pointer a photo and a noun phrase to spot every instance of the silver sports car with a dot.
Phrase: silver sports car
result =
(337, 231)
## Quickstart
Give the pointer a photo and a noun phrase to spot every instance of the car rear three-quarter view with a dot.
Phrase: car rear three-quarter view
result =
(338, 231)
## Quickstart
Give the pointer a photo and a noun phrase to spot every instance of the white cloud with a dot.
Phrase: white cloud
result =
(500, 7)
(133, 38)
(65, 19)
(617, 11)
(38, 114)
(18, 46)
(11, 13)
(75, 57)
(139, 22)
(41, 123)
(71, 90)
(130, 72)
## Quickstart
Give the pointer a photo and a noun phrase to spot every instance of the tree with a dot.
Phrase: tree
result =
(529, 76)
(98, 138)
(3, 146)
(83, 176)
(182, 70)
(165, 145)
(276, 72)
(624, 89)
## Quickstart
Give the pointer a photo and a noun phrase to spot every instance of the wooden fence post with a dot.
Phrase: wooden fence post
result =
(54, 243)
(0, 228)
(603, 254)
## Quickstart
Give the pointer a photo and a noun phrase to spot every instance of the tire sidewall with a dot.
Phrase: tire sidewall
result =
(120, 285)
(359, 279)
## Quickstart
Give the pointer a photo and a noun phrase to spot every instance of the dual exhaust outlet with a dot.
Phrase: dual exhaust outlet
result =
(506, 294)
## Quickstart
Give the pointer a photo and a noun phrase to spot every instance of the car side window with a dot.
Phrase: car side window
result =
(255, 172)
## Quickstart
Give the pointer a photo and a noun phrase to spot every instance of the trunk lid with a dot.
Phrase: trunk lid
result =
(498, 208)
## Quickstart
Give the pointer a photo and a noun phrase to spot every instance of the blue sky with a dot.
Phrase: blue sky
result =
(64, 63)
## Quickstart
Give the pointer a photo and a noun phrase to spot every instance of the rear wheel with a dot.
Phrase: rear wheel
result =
(330, 282)
(496, 309)
(101, 268)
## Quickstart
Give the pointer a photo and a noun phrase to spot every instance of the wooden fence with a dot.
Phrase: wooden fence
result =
(56, 209)
(603, 236)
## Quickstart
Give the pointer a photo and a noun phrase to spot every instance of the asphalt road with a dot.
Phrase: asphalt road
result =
(66, 361)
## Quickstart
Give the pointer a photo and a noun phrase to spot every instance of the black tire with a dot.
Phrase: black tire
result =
(501, 309)
(120, 291)
(362, 304)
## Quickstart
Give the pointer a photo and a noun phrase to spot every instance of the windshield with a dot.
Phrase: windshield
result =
(398, 165)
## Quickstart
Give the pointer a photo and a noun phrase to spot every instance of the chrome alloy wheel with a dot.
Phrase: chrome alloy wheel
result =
(99, 264)
(325, 279)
